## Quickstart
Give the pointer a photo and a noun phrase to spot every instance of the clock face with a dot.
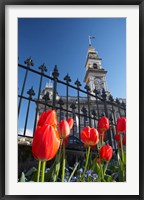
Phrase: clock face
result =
(97, 81)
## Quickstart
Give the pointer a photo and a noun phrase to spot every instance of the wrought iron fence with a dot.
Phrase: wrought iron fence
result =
(86, 107)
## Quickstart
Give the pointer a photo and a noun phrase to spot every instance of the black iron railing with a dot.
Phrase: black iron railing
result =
(86, 108)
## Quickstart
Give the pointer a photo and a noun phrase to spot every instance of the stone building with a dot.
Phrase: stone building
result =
(86, 110)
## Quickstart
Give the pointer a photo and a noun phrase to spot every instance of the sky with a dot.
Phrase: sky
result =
(64, 42)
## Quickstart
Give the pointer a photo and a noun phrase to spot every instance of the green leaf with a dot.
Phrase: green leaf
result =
(22, 178)
(33, 177)
(30, 171)
(57, 168)
(48, 175)
(75, 168)
(108, 178)
(125, 158)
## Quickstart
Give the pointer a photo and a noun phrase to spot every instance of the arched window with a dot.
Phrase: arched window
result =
(95, 66)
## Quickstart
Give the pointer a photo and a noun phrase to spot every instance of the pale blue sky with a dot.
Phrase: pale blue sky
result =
(64, 42)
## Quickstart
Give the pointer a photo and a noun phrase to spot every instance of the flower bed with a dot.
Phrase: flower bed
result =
(100, 165)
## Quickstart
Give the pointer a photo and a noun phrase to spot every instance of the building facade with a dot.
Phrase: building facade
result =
(88, 108)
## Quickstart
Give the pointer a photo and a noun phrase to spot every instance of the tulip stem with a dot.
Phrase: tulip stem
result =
(105, 168)
(102, 172)
(63, 163)
(43, 170)
(86, 163)
(57, 167)
(38, 172)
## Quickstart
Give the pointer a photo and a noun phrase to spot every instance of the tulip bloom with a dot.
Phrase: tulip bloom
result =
(106, 152)
(48, 117)
(89, 136)
(46, 143)
(121, 125)
(103, 125)
(117, 137)
(64, 128)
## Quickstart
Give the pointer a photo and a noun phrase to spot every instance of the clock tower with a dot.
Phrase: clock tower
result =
(95, 76)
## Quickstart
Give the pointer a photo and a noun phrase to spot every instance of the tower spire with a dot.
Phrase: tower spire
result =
(95, 76)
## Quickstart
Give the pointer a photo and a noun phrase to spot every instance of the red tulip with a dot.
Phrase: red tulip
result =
(46, 143)
(124, 140)
(48, 117)
(70, 122)
(89, 136)
(103, 125)
(121, 125)
(117, 137)
(64, 129)
(106, 152)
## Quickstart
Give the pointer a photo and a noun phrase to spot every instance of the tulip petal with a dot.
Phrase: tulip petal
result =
(103, 124)
(106, 152)
(45, 143)
(89, 136)
(94, 136)
(48, 117)
(85, 134)
(64, 129)
(70, 122)
(121, 125)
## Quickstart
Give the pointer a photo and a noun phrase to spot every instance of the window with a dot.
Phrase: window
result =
(95, 66)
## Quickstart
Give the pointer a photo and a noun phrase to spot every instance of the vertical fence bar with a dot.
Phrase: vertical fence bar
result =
(113, 112)
(67, 79)
(97, 104)
(78, 84)
(84, 111)
(104, 97)
(112, 130)
(88, 89)
(46, 99)
(73, 107)
(61, 103)
(30, 93)
(118, 105)
(124, 107)
(43, 69)
(29, 63)
(55, 75)
(94, 115)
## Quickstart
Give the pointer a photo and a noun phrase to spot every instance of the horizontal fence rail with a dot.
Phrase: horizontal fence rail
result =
(86, 106)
